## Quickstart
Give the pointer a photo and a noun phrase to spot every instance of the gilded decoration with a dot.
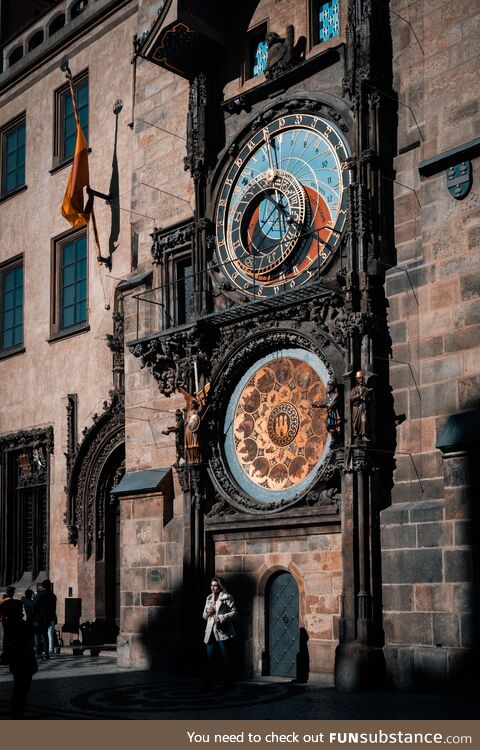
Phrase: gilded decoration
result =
(279, 436)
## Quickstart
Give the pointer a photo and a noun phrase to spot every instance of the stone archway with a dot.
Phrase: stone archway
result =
(92, 516)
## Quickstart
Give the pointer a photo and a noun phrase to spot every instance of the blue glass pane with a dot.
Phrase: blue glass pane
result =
(18, 296)
(260, 62)
(69, 295)
(68, 275)
(82, 94)
(80, 312)
(68, 253)
(81, 250)
(7, 339)
(14, 159)
(11, 142)
(11, 162)
(328, 20)
(69, 125)
(8, 300)
(68, 318)
(9, 281)
(17, 335)
(8, 319)
(82, 290)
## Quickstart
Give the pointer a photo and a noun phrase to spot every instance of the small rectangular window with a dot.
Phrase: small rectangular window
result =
(184, 290)
(11, 306)
(69, 284)
(325, 20)
(65, 127)
(13, 155)
(74, 282)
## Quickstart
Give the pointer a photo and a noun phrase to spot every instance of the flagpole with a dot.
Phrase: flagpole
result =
(89, 207)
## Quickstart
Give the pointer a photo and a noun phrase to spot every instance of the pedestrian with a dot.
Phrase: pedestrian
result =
(19, 654)
(220, 634)
(8, 606)
(46, 610)
(28, 602)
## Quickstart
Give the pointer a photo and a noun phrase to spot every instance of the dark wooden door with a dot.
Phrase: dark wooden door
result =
(283, 625)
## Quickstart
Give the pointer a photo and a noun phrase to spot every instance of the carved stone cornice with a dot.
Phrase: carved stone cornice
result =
(36, 438)
(299, 104)
(169, 239)
(170, 356)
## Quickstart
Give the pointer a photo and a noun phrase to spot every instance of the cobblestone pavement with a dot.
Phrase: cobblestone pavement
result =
(85, 687)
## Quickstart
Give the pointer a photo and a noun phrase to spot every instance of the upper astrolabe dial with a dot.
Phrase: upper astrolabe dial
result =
(282, 205)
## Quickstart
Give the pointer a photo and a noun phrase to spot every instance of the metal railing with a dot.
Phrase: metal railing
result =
(168, 297)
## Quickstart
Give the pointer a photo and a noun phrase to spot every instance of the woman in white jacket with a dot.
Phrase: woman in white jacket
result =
(219, 612)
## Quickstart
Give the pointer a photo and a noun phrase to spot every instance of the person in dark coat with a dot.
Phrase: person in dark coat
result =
(8, 606)
(19, 654)
(46, 611)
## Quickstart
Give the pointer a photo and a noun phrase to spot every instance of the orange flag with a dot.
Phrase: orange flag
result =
(73, 209)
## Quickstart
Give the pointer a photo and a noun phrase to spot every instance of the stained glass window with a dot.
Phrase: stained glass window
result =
(260, 62)
(327, 18)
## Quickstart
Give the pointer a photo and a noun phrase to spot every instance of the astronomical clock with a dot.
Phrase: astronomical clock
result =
(282, 205)
(280, 212)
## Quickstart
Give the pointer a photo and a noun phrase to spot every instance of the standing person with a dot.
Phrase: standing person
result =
(29, 605)
(219, 612)
(19, 654)
(46, 610)
(9, 606)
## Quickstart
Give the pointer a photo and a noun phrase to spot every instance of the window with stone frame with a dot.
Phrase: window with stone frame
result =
(12, 151)
(256, 52)
(65, 128)
(24, 510)
(172, 252)
(11, 306)
(324, 20)
(69, 304)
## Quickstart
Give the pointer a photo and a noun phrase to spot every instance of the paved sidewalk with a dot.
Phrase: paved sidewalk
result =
(85, 687)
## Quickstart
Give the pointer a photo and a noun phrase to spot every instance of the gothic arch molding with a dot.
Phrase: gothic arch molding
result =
(98, 454)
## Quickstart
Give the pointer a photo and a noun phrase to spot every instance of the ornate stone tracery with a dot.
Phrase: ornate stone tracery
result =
(107, 433)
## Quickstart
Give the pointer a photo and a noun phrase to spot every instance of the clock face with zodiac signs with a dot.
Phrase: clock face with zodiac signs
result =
(282, 205)
(275, 439)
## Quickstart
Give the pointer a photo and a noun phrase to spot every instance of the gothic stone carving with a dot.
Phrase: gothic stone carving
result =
(28, 439)
(99, 441)
(300, 104)
(164, 240)
(195, 160)
(115, 342)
